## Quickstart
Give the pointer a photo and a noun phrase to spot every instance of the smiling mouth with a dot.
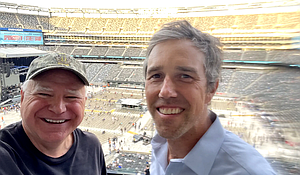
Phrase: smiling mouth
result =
(168, 111)
(55, 121)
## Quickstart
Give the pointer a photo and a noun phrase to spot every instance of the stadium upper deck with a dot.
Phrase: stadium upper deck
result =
(262, 31)
(263, 25)
(234, 24)
(274, 90)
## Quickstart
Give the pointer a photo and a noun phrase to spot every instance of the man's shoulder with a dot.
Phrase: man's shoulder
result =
(240, 155)
(11, 127)
(8, 158)
(10, 131)
(239, 150)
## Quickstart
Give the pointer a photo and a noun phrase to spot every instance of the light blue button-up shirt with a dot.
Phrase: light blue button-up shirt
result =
(218, 152)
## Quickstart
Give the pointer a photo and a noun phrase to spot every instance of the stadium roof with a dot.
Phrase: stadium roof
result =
(115, 8)
(20, 52)
(117, 4)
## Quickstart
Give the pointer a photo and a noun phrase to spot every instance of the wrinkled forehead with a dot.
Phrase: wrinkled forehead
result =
(175, 53)
(42, 85)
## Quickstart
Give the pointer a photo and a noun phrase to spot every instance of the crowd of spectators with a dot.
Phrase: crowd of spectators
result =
(148, 25)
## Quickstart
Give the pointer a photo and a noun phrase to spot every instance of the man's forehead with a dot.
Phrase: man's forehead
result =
(43, 85)
(50, 88)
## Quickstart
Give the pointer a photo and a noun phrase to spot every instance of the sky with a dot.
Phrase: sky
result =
(124, 3)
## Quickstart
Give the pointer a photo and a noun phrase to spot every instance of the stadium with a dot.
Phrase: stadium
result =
(258, 97)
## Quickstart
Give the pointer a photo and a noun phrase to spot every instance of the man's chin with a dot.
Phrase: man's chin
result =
(170, 135)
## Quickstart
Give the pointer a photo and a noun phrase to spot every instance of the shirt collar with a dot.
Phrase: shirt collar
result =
(160, 147)
(202, 156)
(204, 153)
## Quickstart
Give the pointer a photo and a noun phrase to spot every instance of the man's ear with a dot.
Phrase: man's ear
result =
(22, 95)
(212, 92)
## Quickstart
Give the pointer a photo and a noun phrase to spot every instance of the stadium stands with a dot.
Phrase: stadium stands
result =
(93, 70)
(117, 51)
(254, 55)
(276, 90)
(124, 74)
(99, 51)
(81, 51)
(65, 49)
(9, 20)
(28, 21)
(225, 80)
(232, 55)
(44, 23)
(137, 75)
(132, 52)
(288, 20)
(97, 24)
(241, 80)
(113, 25)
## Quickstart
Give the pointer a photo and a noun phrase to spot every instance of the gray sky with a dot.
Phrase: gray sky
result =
(125, 3)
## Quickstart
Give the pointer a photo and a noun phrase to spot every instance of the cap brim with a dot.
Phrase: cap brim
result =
(80, 76)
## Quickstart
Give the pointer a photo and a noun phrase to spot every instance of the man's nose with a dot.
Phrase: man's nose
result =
(58, 105)
(168, 89)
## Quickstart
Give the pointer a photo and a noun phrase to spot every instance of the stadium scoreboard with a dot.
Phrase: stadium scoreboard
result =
(21, 36)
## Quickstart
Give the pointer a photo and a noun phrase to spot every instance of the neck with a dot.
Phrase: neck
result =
(55, 150)
(178, 148)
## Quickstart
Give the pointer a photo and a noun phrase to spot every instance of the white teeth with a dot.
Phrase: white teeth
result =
(55, 121)
(170, 110)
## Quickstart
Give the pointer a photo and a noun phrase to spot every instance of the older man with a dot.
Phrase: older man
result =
(47, 140)
(182, 69)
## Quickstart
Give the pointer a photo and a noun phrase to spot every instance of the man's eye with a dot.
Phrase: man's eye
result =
(185, 76)
(44, 94)
(155, 76)
(71, 97)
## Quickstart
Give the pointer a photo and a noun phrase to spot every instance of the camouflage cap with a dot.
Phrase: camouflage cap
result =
(55, 60)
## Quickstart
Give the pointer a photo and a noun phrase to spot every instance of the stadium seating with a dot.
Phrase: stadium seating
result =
(115, 51)
(65, 49)
(8, 20)
(114, 25)
(99, 51)
(276, 90)
(132, 52)
(81, 51)
(137, 75)
(80, 24)
(240, 80)
(93, 70)
(131, 25)
(97, 24)
(224, 22)
(124, 74)
(147, 26)
(225, 80)
(232, 55)
(246, 22)
(288, 21)
(267, 21)
(254, 56)
(28, 21)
